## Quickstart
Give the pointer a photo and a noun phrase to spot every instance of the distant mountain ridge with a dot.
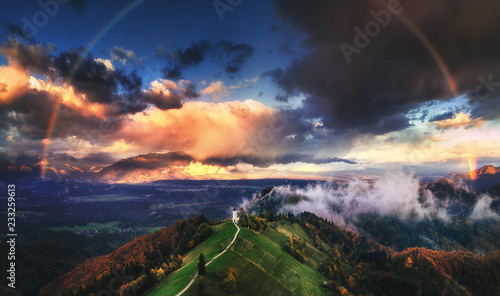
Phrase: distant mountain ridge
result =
(147, 167)
(57, 165)
(486, 176)
(167, 166)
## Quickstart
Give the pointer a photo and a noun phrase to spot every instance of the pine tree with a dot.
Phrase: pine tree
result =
(201, 265)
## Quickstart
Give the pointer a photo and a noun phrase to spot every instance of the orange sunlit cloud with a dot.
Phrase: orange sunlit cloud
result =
(198, 128)
(459, 120)
(70, 99)
(13, 82)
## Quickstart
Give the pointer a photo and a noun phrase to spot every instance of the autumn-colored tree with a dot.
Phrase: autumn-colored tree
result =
(351, 283)
(296, 247)
(158, 274)
(253, 222)
(230, 280)
(409, 263)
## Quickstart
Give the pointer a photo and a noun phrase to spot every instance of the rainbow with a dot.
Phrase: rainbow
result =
(471, 162)
(428, 45)
(121, 14)
(432, 50)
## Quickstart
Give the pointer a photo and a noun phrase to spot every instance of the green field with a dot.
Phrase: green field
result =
(263, 267)
(281, 231)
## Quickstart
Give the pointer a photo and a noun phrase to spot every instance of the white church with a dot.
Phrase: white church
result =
(235, 216)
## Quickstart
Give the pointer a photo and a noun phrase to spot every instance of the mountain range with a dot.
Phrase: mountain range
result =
(169, 166)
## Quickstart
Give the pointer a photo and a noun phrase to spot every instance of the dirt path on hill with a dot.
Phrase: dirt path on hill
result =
(196, 275)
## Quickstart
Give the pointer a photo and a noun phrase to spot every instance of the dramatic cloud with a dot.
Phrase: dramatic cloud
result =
(28, 104)
(392, 68)
(200, 129)
(230, 133)
(86, 75)
(231, 56)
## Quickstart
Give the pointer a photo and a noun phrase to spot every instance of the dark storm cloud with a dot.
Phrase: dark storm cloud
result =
(265, 162)
(230, 55)
(394, 72)
(92, 78)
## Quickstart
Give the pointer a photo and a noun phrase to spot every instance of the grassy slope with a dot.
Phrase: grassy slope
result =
(263, 267)
(283, 231)
(176, 281)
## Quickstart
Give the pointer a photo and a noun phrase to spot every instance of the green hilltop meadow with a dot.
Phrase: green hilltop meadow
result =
(261, 264)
